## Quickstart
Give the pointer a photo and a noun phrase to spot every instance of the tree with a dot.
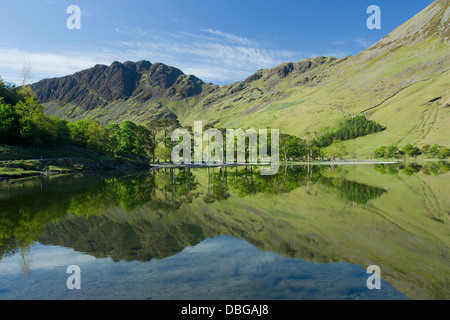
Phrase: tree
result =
(283, 138)
(410, 150)
(444, 153)
(350, 128)
(341, 150)
(434, 150)
(392, 152)
(29, 133)
(62, 130)
(25, 90)
(164, 124)
(380, 152)
(309, 144)
(295, 147)
(78, 133)
(126, 138)
(440, 152)
(132, 138)
(26, 72)
(144, 144)
(9, 124)
(161, 152)
(316, 152)
(98, 138)
(9, 92)
(337, 150)
(152, 126)
(425, 149)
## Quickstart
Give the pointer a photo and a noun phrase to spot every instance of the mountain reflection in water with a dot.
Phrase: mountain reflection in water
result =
(392, 216)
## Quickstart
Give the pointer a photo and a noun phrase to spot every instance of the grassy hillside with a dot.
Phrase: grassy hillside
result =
(402, 82)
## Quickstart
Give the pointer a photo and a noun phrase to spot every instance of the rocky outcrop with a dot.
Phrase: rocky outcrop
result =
(101, 85)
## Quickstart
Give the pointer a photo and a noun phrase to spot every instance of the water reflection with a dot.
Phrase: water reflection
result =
(217, 268)
(27, 208)
(317, 213)
(435, 168)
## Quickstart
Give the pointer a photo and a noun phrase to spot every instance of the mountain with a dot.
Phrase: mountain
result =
(401, 82)
(93, 89)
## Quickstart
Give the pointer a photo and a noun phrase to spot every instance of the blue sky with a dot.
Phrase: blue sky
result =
(218, 41)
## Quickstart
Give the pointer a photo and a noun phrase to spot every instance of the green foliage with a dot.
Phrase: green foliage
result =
(26, 124)
(162, 153)
(166, 126)
(444, 153)
(337, 150)
(9, 124)
(352, 128)
(380, 152)
(78, 130)
(411, 169)
(112, 140)
(9, 92)
(132, 138)
(353, 191)
(126, 138)
(435, 151)
(425, 149)
(411, 150)
(387, 152)
(98, 138)
(292, 147)
(38, 130)
(387, 169)
(392, 152)
(440, 152)
(144, 143)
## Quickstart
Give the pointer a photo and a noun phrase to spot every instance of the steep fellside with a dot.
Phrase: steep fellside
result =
(401, 82)
(88, 92)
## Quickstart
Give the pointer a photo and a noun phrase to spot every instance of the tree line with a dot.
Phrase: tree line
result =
(24, 123)
(348, 129)
(431, 151)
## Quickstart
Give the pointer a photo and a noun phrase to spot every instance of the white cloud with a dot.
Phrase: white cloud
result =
(231, 37)
(364, 43)
(45, 64)
(45, 257)
(212, 55)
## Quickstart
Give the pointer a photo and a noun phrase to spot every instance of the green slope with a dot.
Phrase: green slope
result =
(402, 82)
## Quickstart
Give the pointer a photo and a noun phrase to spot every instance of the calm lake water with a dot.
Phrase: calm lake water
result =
(309, 232)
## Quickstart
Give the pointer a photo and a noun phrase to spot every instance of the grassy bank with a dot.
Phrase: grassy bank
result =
(18, 153)
(16, 162)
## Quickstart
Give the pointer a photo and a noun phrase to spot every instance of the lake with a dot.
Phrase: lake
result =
(309, 232)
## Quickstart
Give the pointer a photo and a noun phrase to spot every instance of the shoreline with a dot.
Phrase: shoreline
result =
(152, 166)
(301, 163)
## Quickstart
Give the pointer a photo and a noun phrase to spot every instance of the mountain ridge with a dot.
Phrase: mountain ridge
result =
(115, 82)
